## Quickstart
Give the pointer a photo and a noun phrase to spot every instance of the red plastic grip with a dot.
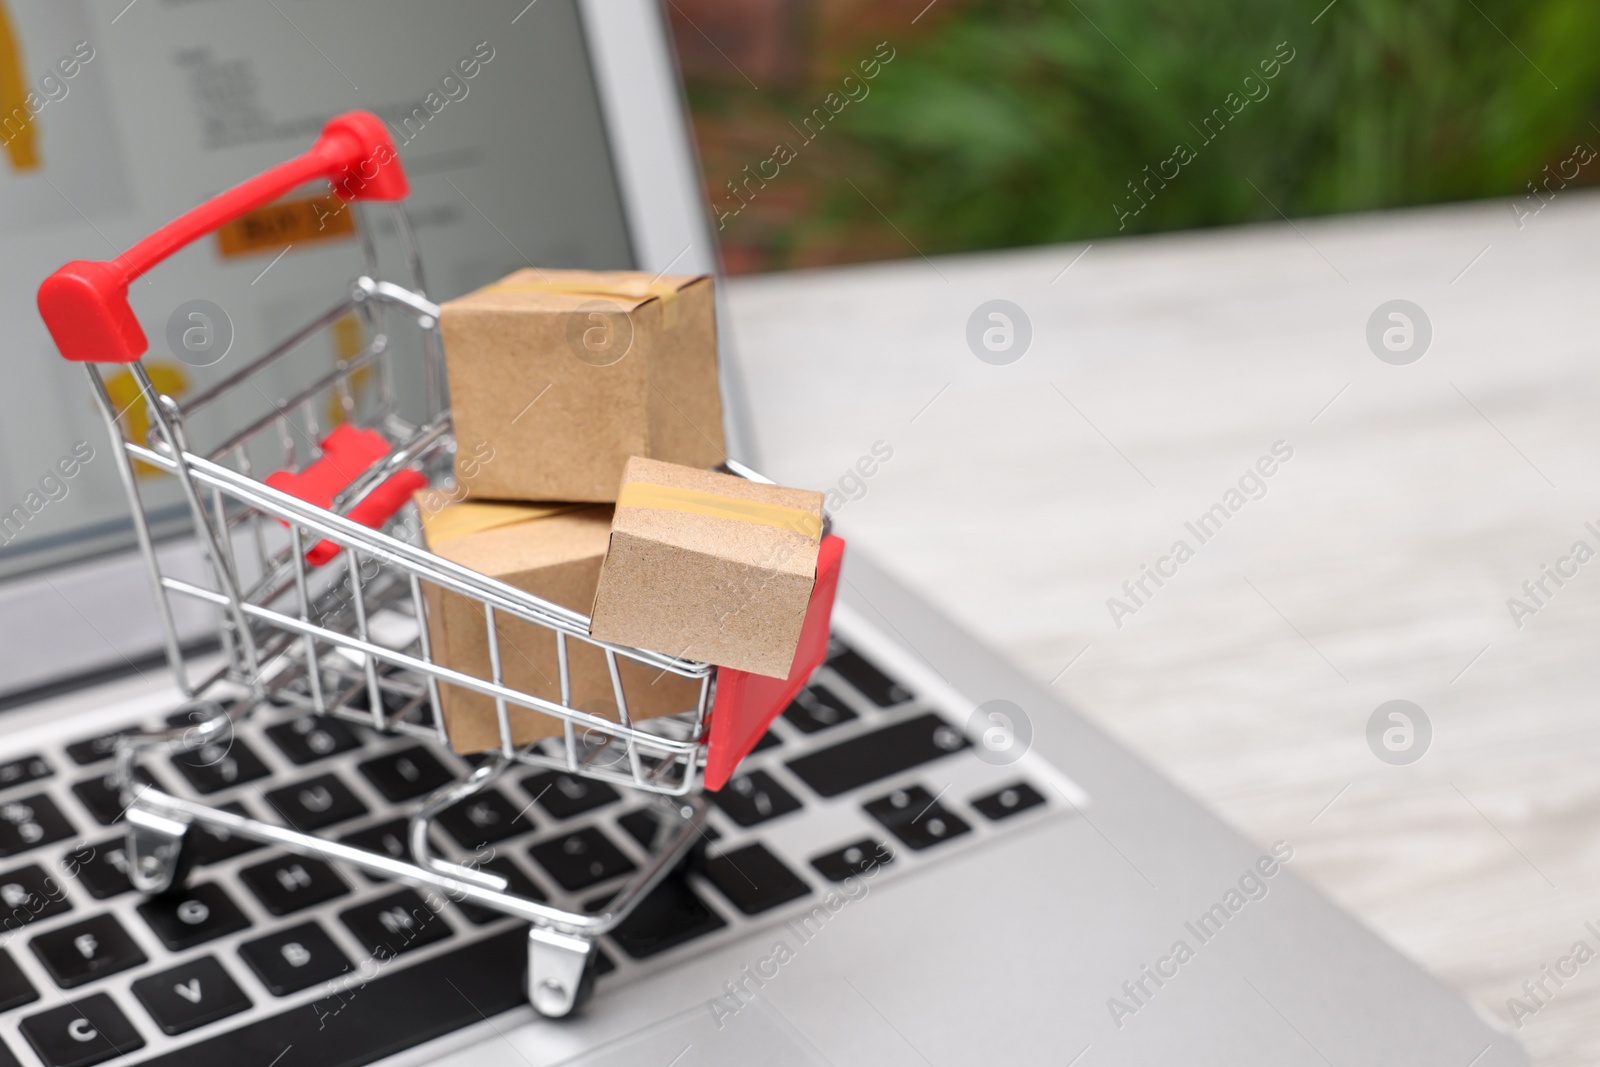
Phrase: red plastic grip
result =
(85, 303)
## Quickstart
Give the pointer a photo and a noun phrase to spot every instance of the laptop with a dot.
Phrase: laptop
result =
(928, 860)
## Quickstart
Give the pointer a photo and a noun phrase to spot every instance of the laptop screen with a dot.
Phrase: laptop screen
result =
(116, 117)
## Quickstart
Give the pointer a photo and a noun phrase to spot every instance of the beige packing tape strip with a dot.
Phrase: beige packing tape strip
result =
(694, 502)
(463, 520)
(666, 292)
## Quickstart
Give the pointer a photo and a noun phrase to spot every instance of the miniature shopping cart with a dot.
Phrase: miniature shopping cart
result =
(317, 580)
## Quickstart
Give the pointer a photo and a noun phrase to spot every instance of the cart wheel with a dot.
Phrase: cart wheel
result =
(159, 857)
(551, 1002)
(561, 972)
(586, 983)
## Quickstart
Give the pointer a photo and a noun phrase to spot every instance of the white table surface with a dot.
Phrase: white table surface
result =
(1377, 566)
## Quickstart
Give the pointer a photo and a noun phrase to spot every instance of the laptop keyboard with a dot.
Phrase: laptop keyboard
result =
(262, 951)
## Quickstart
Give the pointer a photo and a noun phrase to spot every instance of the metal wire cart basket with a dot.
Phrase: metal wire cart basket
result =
(321, 607)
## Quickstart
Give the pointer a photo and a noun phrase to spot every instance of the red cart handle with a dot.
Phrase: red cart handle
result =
(85, 303)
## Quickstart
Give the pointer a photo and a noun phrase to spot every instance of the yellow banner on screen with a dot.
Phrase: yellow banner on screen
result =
(21, 144)
(287, 222)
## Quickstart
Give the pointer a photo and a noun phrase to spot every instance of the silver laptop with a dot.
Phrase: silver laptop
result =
(926, 861)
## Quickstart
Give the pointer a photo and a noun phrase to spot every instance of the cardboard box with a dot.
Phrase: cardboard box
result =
(565, 374)
(708, 567)
(553, 552)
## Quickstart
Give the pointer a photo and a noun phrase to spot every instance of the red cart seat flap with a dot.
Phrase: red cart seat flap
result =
(347, 453)
(747, 703)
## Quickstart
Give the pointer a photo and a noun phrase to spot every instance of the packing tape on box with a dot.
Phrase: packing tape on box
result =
(463, 520)
(695, 502)
(666, 292)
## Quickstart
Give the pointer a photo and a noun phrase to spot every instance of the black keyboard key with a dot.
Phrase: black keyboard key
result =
(102, 798)
(394, 701)
(755, 797)
(407, 774)
(670, 915)
(195, 720)
(399, 1009)
(24, 770)
(853, 860)
(386, 839)
(86, 950)
(31, 822)
(516, 882)
(100, 868)
(316, 803)
(565, 796)
(7, 1057)
(916, 817)
(652, 832)
(27, 895)
(581, 859)
(289, 883)
(190, 995)
(1008, 801)
(753, 879)
(871, 757)
(483, 819)
(90, 1030)
(396, 924)
(814, 709)
(220, 765)
(193, 916)
(295, 959)
(213, 846)
(15, 989)
(312, 737)
(644, 827)
(868, 680)
(198, 715)
(93, 749)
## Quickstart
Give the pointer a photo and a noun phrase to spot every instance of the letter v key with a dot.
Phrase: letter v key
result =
(189, 990)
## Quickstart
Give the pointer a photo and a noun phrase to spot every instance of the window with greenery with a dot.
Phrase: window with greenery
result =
(1015, 122)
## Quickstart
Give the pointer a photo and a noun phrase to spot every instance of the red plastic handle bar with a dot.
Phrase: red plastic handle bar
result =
(85, 303)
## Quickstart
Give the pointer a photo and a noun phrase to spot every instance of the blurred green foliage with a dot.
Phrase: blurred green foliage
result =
(1018, 122)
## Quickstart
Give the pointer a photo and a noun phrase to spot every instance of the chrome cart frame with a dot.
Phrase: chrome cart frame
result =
(323, 638)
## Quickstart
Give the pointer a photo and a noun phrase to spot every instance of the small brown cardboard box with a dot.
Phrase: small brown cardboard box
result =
(553, 552)
(708, 567)
(565, 374)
